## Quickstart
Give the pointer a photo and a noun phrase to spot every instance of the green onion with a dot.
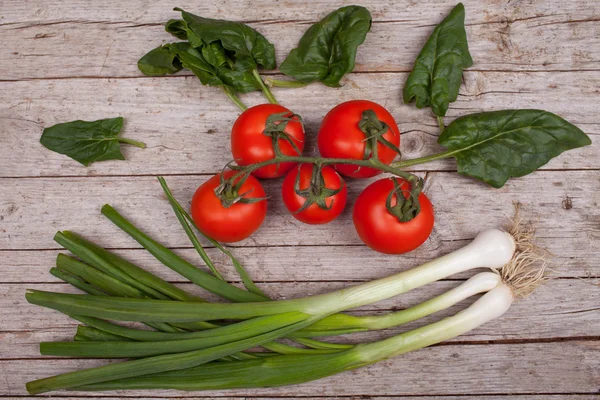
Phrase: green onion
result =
(134, 271)
(156, 364)
(87, 333)
(491, 248)
(76, 282)
(178, 264)
(185, 220)
(98, 262)
(200, 340)
(106, 283)
(294, 369)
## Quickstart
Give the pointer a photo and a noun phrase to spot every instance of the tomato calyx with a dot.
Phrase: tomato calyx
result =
(316, 193)
(228, 191)
(407, 204)
(275, 128)
(374, 129)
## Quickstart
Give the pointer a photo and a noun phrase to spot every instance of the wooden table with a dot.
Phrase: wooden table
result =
(66, 60)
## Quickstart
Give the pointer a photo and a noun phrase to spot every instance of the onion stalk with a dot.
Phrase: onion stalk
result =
(287, 370)
(153, 343)
(491, 248)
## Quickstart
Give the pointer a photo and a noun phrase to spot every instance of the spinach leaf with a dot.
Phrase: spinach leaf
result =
(210, 64)
(177, 28)
(88, 141)
(159, 61)
(327, 50)
(436, 76)
(248, 46)
(494, 146)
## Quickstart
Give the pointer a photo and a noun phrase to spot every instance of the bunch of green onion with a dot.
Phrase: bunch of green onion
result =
(195, 345)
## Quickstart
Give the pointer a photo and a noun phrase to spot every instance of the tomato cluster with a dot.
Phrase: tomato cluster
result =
(231, 206)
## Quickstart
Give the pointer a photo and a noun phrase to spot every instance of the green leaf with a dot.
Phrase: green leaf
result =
(327, 50)
(248, 46)
(436, 76)
(87, 141)
(214, 54)
(495, 146)
(177, 28)
(238, 78)
(192, 59)
(214, 71)
(159, 61)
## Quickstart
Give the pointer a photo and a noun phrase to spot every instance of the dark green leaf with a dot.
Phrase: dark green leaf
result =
(177, 28)
(159, 61)
(436, 76)
(192, 59)
(87, 141)
(214, 54)
(495, 146)
(248, 46)
(238, 78)
(215, 72)
(327, 50)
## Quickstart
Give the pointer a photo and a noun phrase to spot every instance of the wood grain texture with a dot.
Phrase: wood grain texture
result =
(434, 371)
(66, 60)
(362, 397)
(186, 125)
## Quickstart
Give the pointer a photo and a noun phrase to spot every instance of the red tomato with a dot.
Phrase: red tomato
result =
(340, 136)
(381, 230)
(228, 224)
(314, 214)
(249, 145)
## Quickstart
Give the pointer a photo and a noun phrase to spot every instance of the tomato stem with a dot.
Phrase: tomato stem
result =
(264, 88)
(321, 161)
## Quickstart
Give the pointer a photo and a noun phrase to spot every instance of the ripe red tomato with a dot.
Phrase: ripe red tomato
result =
(228, 224)
(341, 137)
(381, 230)
(249, 145)
(313, 214)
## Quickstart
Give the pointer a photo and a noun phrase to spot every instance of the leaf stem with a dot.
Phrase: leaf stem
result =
(421, 160)
(264, 88)
(132, 142)
(285, 84)
(440, 121)
(236, 100)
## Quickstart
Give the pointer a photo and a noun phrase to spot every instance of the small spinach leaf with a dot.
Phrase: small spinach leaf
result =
(495, 146)
(159, 61)
(177, 28)
(87, 141)
(436, 76)
(327, 50)
(249, 47)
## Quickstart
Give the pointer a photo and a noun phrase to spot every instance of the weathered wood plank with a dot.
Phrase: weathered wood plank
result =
(14, 12)
(565, 203)
(435, 371)
(564, 308)
(362, 397)
(499, 39)
(279, 264)
(186, 126)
